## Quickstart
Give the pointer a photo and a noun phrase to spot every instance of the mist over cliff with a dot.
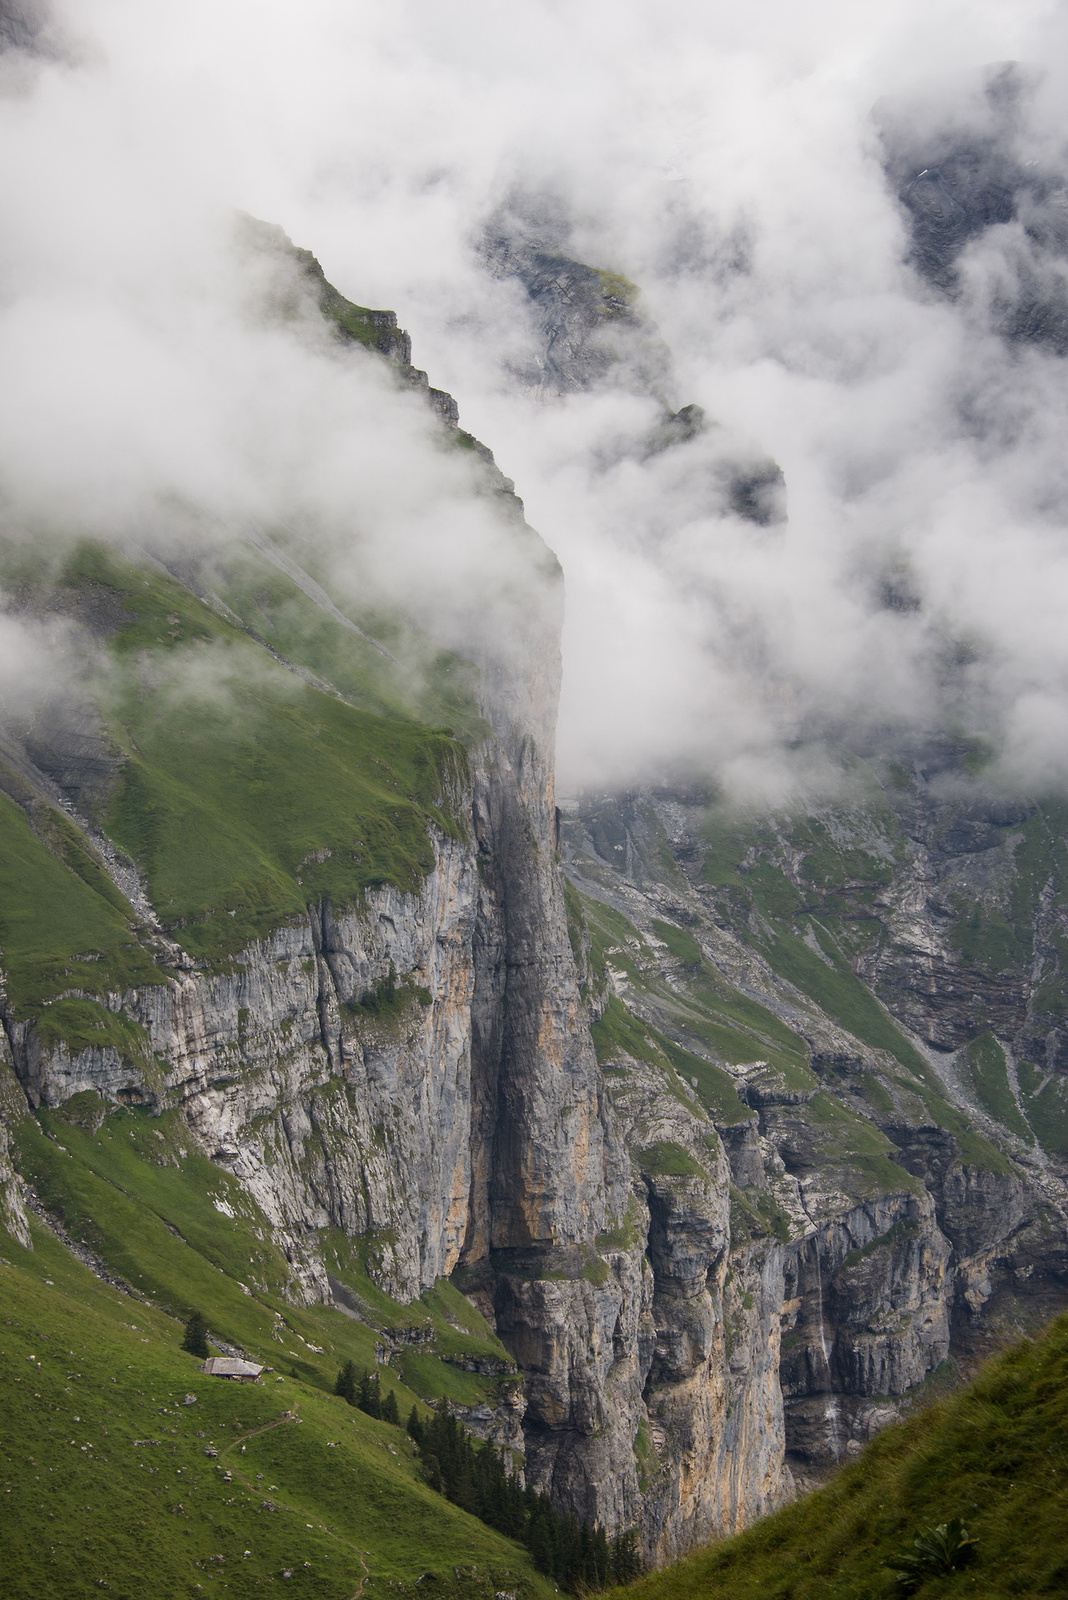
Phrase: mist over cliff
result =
(675, 1139)
(841, 237)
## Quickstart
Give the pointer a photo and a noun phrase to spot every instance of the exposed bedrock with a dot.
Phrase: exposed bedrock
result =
(867, 1303)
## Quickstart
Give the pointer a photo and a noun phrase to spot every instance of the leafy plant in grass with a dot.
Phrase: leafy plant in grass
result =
(195, 1339)
(938, 1552)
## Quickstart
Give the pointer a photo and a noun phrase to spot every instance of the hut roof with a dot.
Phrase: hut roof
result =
(230, 1367)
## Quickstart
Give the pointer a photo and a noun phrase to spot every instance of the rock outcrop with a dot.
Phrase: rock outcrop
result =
(986, 219)
(883, 1221)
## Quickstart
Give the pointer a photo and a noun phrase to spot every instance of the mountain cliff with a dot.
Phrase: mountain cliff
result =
(896, 1160)
(732, 1138)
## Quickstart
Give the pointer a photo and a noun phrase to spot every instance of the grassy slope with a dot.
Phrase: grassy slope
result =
(227, 807)
(130, 1188)
(245, 795)
(1045, 1098)
(984, 1061)
(238, 776)
(435, 687)
(159, 1214)
(62, 922)
(86, 1508)
(995, 1455)
(785, 924)
(702, 1007)
(833, 903)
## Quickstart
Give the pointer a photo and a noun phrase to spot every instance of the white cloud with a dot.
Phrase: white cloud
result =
(724, 159)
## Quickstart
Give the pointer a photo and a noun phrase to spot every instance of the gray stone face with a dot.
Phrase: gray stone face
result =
(704, 1309)
(12, 1191)
(874, 1274)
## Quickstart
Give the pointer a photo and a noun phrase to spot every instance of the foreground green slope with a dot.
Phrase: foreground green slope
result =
(996, 1455)
(107, 1481)
(90, 1368)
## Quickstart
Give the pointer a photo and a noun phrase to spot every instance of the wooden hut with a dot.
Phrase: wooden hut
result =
(231, 1367)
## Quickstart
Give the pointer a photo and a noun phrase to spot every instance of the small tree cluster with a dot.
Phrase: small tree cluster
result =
(364, 1390)
(196, 1335)
(577, 1556)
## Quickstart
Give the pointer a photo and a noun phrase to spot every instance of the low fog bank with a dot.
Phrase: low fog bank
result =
(842, 238)
(172, 388)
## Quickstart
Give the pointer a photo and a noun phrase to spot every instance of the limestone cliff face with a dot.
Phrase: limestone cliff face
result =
(330, 1116)
(882, 1219)
(539, 1163)
(12, 1191)
(734, 1139)
(708, 1284)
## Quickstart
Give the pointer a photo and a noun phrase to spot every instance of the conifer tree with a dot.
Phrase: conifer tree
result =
(600, 1558)
(541, 1540)
(626, 1559)
(576, 1555)
(346, 1383)
(196, 1335)
(390, 1412)
(368, 1394)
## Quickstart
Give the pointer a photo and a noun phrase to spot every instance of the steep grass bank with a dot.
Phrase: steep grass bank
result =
(106, 1480)
(109, 1480)
(995, 1455)
(243, 792)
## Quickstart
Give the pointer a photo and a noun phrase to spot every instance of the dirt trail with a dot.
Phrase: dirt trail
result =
(288, 1418)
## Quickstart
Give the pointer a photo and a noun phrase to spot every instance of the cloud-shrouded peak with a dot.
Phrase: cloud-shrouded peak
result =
(764, 312)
